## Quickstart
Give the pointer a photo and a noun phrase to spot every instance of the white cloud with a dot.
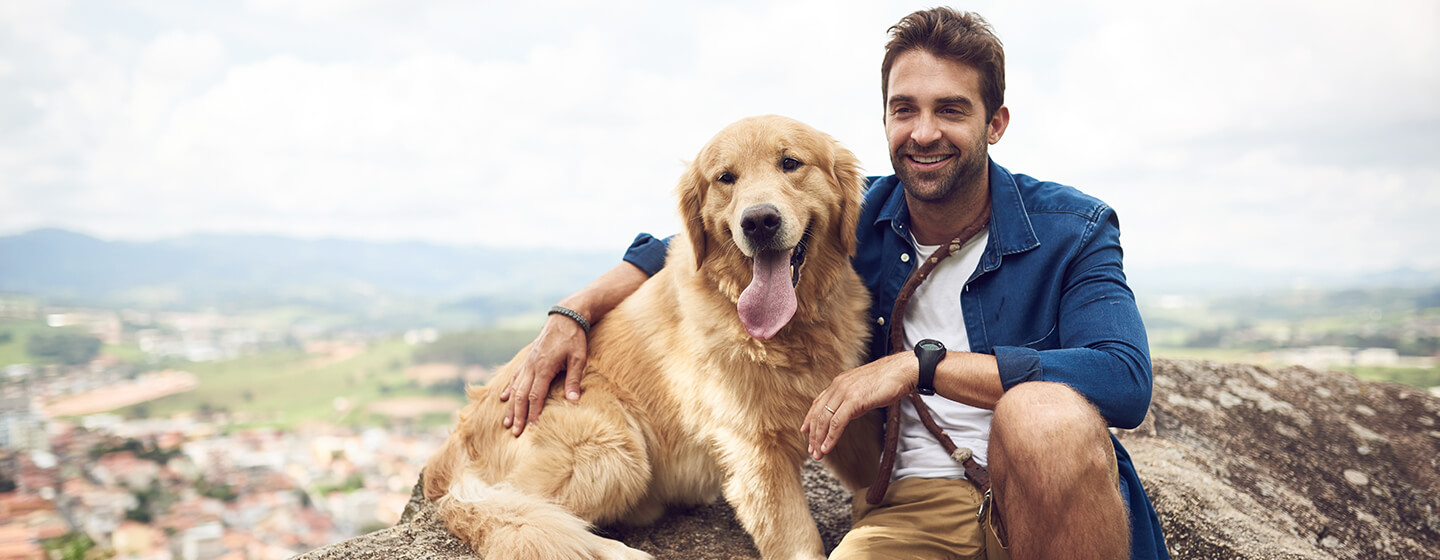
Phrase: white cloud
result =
(1269, 133)
(1275, 135)
(319, 10)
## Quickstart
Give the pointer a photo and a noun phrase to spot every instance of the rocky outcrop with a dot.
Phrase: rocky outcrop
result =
(1250, 462)
(1241, 461)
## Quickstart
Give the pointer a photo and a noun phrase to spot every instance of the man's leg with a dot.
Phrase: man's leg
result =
(1053, 471)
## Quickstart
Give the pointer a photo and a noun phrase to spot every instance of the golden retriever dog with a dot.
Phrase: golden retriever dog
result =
(698, 383)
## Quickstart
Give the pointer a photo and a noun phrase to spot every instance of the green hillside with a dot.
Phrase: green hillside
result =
(283, 389)
(14, 333)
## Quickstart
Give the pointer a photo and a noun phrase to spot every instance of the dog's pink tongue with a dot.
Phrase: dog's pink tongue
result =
(768, 303)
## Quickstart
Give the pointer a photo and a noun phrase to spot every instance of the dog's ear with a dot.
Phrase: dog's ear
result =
(692, 199)
(845, 172)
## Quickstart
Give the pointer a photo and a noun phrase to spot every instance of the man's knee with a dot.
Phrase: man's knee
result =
(1054, 471)
(1040, 422)
(1040, 408)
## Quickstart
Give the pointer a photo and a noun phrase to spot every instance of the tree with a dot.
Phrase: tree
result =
(217, 490)
(68, 348)
(72, 546)
(487, 348)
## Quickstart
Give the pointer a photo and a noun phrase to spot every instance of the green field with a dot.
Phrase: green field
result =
(284, 389)
(1416, 377)
(1212, 354)
(13, 351)
(279, 388)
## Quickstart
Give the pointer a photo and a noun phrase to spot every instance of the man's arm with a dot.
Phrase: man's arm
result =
(1103, 352)
(966, 377)
(561, 344)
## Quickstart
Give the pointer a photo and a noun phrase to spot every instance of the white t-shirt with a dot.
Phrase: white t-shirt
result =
(935, 312)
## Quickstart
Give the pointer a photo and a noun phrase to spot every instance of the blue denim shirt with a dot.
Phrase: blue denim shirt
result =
(1048, 300)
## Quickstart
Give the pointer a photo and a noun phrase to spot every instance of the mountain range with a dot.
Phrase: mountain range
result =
(64, 266)
(207, 269)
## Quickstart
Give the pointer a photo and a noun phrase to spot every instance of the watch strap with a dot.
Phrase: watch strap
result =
(929, 352)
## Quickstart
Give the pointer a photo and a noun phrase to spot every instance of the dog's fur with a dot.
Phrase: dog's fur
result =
(680, 403)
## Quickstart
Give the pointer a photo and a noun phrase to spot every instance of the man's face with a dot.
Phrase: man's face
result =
(935, 121)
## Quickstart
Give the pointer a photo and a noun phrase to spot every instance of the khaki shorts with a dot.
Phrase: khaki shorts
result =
(922, 518)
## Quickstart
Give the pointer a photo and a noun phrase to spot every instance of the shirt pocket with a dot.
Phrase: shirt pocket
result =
(1045, 341)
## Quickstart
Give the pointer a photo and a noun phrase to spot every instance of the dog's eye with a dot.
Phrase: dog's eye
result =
(727, 178)
(790, 164)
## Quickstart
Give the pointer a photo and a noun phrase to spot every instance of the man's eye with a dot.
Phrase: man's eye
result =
(790, 164)
(727, 178)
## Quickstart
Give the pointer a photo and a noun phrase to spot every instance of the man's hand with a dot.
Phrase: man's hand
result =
(561, 346)
(853, 393)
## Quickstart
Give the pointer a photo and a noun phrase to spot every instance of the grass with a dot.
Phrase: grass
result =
(13, 352)
(1416, 377)
(1213, 354)
(20, 330)
(285, 389)
(129, 352)
(276, 389)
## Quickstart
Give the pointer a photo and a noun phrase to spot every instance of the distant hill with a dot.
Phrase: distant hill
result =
(61, 266)
(66, 266)
(1212, 280)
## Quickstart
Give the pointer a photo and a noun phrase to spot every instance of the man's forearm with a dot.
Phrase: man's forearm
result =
(969, 378)
(598, 298)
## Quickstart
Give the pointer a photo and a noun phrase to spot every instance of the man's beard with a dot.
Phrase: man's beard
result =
(939, 185)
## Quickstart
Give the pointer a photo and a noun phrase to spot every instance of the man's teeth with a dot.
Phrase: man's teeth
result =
(929, 159)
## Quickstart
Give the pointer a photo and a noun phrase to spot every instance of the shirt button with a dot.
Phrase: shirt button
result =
(904, 257)
(880, 321)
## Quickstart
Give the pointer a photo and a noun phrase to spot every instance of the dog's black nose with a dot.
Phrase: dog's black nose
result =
(760, 223)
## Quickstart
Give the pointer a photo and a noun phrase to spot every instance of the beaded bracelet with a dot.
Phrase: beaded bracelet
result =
(573, 314)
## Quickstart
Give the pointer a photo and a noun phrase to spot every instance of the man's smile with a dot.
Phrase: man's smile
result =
(928, 162)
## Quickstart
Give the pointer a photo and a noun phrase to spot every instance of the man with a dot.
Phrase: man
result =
(1031, 341)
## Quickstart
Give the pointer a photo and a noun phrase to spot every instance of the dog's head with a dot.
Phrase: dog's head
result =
(776, 194)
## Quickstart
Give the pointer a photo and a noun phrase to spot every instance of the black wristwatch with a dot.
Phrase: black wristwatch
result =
(930, 352)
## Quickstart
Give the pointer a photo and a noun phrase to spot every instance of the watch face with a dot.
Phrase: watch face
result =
(929, 345)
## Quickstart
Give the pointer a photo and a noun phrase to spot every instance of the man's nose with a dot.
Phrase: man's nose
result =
(926, 131)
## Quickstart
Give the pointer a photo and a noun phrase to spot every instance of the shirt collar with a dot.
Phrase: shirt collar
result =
(1010, 228)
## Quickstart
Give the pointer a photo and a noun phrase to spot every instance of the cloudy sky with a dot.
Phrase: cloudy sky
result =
(1283, 136)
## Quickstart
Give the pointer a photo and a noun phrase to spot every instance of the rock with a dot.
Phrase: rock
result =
(1241, 461)
(1308, 464)
(709, 531)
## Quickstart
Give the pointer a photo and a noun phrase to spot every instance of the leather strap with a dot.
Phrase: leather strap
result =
(973, 471)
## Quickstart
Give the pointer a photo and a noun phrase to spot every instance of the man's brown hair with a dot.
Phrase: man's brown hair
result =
(963, 37)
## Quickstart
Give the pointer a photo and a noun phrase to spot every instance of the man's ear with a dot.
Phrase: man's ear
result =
(998, 123)
(692, 199)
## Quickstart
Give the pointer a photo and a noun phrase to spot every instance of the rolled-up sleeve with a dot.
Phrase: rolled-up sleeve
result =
(647, 253)
(1102, 350)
